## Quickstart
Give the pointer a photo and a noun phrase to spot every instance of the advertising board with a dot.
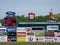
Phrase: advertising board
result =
(13, 39)
(21, 33)
(38, 29)
(40, 39)
(39, 34)
(30, 34)
(49, 39)
(3, 38)
(21, 39)
(57, 34)
(30, 39)
(21, 29)
(56, 39)
(11, 29)
(52, 27)
(28, 29)
(3, 29)
(49, 34)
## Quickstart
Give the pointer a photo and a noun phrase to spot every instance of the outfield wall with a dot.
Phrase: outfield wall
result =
(26, 34)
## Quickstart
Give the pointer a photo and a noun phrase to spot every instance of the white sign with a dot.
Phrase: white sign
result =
(52, 27)
(49, 39)
(31, 16)
(56, 39)
(21, 29)
(3, 29)
(3, 38)
(30, 39)
(40, 39)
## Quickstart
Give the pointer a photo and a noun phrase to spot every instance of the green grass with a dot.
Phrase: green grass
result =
(28, 43)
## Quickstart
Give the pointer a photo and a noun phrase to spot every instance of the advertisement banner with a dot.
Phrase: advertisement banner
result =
(39, 34)
(3, 29)
(3, 38)
(49, 34)
(28, 29)
(49, 39)
(57, 34)
(52, 27)
(21, 39)
(38, 29)
(21, 33)
(21, 29)
(40, 39)
(13, 39)
(11, 29)
(56, 39)
(30, 39)
(30, 34)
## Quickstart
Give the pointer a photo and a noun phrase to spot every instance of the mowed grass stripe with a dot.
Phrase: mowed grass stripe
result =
(28, 43)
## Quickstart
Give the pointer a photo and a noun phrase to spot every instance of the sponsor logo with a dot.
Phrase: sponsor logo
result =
(28, 30)
(2, 29)
(40, 39)
(39, 34)
(11, 30)
(52, 27)
(30, 39)
(20, 29)
(3, 38)
(57, 34)
(30, 34)
(49, 39)
(21, 39)
(57, 39)
(21, 33)
(49, 34)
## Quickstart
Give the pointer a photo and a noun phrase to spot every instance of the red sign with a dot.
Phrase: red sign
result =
(21, 33)
(49, 34)
(28, 30)
(10, 21)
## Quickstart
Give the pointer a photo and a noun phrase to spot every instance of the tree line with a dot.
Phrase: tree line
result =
(39, 18)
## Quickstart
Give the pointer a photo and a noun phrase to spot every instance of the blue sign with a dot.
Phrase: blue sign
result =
(10, 13)
(11, 29)
(13, 39)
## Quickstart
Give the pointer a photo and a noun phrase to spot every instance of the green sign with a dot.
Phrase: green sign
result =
(39, 34)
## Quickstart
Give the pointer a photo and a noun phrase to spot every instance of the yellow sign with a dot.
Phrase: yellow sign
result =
(21, 39)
